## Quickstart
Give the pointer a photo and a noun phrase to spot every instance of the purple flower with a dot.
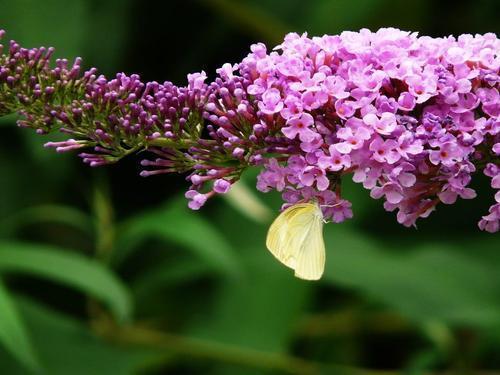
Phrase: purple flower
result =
(271, 102)
(408, 146)
(344, 108)
(335, 161)
(491, 222)
(385, 151)
(447, 154)
(456, 55)
(341, 211)
(68, 145)
(422, 88)
(272, 177)
(495, 182)
(293, 107)
(406, 101)
(299, 125)
(311, 175)
(370, 80)
(307, 81)
(385, 125)
(313, 99)
(335, 86)
(291, 66)
(197, 200)
(312, 144)
(353, 139)
(221, 186)
(392, 192)
(196, 80)
(413, 118)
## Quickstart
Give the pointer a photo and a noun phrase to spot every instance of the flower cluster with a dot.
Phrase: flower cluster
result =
(411, 118)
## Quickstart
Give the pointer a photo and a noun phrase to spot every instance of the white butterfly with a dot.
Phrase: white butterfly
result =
(295, 238)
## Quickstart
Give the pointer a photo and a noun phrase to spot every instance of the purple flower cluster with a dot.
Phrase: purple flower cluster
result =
(115, 117)
(411, 118)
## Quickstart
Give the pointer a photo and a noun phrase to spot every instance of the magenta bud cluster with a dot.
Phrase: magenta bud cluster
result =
(411, 118)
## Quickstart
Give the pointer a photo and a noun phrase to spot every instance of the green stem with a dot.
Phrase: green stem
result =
(194, 347)
(104, 243)
(104, 221)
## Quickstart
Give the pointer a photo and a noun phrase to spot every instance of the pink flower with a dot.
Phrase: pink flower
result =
(293, 107)
(385, 125)
(392, 192)
(197, 200)
(448, 154)
(221, 186)
(313, 99)
(368, 176)
(271, 101)
(335, 161)
(196, 80)
(344, 108)
(300, 125)
(369, 80)
(385, 151)
(227, 70)
(311, 175)
(465, 103)
(353, 140)
(335, 86)
(312, 144)
(272, 177)
(307, 82)
(456, 55)
(258, 87)
(408, 145)
(414, 117)
(491, 222)
(406, 101)
(341, 211)
(422, 88)
(290, 66)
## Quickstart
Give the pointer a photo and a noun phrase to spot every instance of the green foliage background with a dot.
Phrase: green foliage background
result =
(103, 272)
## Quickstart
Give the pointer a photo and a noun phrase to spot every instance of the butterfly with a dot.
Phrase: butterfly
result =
(295, 238)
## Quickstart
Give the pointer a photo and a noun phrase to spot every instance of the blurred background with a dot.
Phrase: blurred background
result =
(105, 272)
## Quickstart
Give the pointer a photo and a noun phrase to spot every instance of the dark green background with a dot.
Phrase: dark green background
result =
(105, 272)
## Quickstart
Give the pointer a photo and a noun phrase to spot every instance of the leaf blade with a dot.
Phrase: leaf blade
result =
(13, 333)
(174, 223)
(428, 283)
(72, 269)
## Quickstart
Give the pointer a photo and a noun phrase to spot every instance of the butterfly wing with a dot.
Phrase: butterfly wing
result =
(311, 255)
(295, 238)
(279, 241)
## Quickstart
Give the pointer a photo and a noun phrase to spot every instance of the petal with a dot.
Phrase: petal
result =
(343, 147)
(393, 196)
(322, 182)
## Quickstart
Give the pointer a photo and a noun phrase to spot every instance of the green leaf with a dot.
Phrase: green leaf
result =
(428, 283)
(47, 213)
(8, 120)
(66, 346)
(246, 201)
(13, 334)
(176, 224)
(259, 311)
(167, 273)
(68, 268)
